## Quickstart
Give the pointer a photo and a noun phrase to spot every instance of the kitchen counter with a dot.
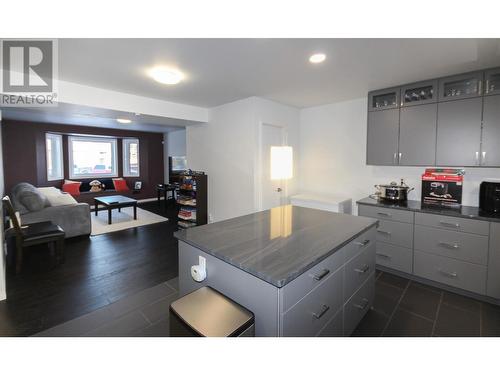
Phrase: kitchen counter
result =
(469, 212)
(277, 245)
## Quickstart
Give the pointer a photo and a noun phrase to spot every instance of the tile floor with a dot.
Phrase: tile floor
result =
(401, 308)
(408, 308)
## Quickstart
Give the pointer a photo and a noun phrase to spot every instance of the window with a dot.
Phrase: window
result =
(91, 157)
(130, 157)
(54, 154)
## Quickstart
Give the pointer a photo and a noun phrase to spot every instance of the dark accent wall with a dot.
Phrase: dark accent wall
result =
(25, 160)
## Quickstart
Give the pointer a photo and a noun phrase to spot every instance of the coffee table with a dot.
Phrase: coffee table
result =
(115, 201)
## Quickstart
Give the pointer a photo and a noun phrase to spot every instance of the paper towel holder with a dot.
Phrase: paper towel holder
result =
(199, 271)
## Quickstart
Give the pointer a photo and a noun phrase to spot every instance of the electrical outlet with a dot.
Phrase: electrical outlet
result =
(210, 218)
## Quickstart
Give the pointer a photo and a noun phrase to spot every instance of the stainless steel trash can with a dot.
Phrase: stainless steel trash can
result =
(206, 312)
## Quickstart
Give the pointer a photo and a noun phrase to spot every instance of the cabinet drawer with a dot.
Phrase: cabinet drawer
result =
(453, 223)
(311, 314)
(298, 288)
(358, 305)
(395, 233)
(386, 213)
(467, 276)
(395, 257)
(358, 270)
(462, 246)
(335, 327)
(362, 242)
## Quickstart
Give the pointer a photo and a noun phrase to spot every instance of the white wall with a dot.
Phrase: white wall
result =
(227, 150)
(177, 143)
(3, 293)
(333, 156)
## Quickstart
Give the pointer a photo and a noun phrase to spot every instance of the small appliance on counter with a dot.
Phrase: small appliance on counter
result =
(442, 186)
(489, 196)
(393, 192)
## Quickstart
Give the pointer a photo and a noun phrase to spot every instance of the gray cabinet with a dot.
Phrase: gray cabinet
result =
(493, 280)
(382, 137)
(459, 132)
(461, 86)
(417, 135)
(492, 82)
(490, 152)
(383, 99)
(419, 93)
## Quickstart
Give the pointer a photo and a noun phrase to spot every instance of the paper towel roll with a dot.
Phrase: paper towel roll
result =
(198, 273)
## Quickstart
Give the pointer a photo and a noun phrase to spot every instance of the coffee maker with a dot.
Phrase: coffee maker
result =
(489, 196)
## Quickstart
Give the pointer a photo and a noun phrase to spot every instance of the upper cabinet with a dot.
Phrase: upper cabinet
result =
(492, 79)
(383, 133)
(461, 86)
(419, 93)
(383, 99)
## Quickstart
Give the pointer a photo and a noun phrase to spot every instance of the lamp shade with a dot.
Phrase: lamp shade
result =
(281, 162)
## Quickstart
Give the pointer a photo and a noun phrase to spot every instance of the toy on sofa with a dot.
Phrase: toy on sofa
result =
(96, 186)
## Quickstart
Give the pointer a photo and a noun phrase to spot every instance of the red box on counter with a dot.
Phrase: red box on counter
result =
(442, 186)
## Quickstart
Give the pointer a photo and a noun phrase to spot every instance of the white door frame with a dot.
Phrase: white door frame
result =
(258, 162)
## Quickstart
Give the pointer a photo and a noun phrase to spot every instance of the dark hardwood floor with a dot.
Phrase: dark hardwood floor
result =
(98, 271)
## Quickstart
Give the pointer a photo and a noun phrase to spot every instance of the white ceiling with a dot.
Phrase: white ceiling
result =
(223, 70)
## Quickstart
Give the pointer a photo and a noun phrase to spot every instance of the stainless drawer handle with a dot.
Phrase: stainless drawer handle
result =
(449, 245)
(384, 232)
(384, 255)
(362, 306)
(321, 275)
(364, 243)
(451, 225)
(448, 274)
(384, 214)
(363, 269)
(324, 309)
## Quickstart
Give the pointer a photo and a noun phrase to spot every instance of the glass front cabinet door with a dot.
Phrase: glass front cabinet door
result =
(419, 93)
(492, 78)
(383, 99)
(461, 86)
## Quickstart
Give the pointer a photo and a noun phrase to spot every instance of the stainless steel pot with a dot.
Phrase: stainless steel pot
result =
(393, 191)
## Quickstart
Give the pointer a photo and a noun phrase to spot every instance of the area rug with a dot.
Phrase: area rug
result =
(122, 220)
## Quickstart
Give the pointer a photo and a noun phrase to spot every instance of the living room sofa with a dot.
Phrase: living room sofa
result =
(50, 204)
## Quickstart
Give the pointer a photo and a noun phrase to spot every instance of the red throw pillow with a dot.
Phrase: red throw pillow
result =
(73, 188)
(120, 184)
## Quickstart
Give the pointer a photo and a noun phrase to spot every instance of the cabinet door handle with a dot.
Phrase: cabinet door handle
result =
(363, 269)
(384, 255)
(487, 86)
(400, 155)
(483, 157)
(477, 157)
(321, 275)
(395, 161)
(384, 214)
(449, 245)
(448, 274)
(322, 312)
(363, 305)
(480, 87)
(451, 225)
(384, 232)
(364, 243)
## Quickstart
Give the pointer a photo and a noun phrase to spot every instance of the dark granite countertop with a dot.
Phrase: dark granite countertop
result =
(277, 245)
(468, 212)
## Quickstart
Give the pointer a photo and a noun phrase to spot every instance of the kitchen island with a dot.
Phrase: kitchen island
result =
(301, 271)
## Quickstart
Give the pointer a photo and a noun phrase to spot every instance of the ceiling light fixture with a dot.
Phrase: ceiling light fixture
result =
(123, 120)
(166, 75)
(317, 58)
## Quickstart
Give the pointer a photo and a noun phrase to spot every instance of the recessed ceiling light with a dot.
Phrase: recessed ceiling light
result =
(317, 58)
(166, 75)
(123, 120)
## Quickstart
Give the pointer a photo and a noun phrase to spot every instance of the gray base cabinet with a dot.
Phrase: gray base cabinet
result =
(459, 132)
(459, 252)
(329, 299)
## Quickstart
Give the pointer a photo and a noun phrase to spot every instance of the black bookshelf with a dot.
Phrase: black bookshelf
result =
(192, 200)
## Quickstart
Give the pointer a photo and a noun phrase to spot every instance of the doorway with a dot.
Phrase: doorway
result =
(272, 192)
